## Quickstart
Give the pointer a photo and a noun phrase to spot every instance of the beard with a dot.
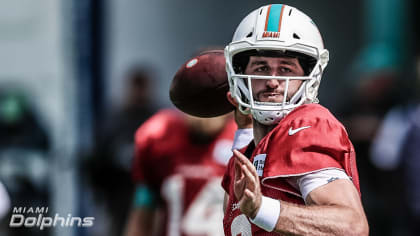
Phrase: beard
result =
(272, 95)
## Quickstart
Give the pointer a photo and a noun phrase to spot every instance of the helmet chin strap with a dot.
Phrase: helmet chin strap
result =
(269, 117)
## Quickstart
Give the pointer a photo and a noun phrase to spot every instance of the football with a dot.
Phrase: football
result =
(199, 87)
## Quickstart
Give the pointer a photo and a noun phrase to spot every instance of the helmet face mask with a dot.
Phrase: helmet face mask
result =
(297, 37)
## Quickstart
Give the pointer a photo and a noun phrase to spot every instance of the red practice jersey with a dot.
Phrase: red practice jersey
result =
(186, 175)
(309, 139)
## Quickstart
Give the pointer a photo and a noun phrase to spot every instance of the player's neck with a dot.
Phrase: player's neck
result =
(260, 131)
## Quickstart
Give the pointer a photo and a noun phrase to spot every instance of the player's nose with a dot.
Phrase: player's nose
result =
(273, 83)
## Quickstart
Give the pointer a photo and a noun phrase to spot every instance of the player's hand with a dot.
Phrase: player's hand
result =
(247, 185)
(243, 121)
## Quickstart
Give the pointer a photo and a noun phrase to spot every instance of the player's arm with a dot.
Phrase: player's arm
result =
(333, 209)
(144, 213)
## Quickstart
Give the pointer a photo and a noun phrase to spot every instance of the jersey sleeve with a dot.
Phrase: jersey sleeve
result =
(323, 145)
(309, 182)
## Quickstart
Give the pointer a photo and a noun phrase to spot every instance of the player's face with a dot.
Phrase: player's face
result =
(272, 90)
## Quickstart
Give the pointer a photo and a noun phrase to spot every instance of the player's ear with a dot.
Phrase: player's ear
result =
(231, 99)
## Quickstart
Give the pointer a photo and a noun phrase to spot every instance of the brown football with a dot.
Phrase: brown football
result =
(199, 87)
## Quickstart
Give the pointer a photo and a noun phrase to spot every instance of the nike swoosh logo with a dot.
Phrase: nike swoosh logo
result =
(294, 131)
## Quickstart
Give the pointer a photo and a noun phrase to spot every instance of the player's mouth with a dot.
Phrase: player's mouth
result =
(271, 97)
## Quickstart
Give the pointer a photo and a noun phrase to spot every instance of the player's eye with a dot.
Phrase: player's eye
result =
(261, 69)
(286, 70)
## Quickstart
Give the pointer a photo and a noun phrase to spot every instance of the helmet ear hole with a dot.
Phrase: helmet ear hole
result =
(295, 36)
(249, 35)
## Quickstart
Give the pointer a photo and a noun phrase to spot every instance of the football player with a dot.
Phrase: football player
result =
(298, 176)
(178, 166)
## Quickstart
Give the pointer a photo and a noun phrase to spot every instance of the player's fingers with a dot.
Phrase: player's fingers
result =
(241, 158)
(247, 201)
(242, 200)
(246, 197)
(251, 180)
(238, 170)
(239, 174)
(249, 194)
(252, 170)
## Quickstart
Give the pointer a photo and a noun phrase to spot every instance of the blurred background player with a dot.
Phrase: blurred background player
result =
(179, 161)
(24, 159)
(377, 100)
(109, 168)
(395, 150)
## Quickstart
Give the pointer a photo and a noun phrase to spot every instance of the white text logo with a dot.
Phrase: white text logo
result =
(31, 217)
(259, 162)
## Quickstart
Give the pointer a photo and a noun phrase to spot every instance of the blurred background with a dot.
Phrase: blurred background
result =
(77, 77)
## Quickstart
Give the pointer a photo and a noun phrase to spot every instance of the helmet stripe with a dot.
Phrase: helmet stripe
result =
(281, 17)
(266, 18)
(274, 15)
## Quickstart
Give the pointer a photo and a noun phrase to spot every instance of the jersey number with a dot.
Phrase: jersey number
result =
(204, 215)
(241, 226)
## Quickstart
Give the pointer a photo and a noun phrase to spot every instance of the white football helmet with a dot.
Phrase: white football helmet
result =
(281, 29)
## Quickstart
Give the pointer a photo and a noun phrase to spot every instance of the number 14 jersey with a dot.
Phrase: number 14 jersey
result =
(184, 174)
